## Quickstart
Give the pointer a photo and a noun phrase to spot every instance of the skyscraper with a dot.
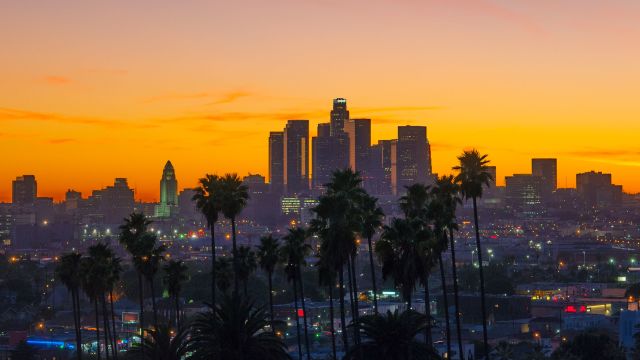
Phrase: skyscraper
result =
(524, 194)
(24, 190)
(276, 161)
(296, 156)
(547, 170)
(413, 159)
(339, 116)
(168, 192)
(359, 133)
(322, 156)
(597, 190)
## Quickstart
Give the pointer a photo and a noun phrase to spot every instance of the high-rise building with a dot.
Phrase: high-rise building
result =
(339, 116)
(523, 194)
(276, 161)
(359, 133)
(597, 190)
(113, 203)
(383, 167)
(547, 169)
(168, 193)
(24, 190)
(414, 164)
(322, 154)
(296, 156)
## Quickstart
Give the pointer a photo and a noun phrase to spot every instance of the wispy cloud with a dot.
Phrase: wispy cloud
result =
(56, 80)
(9, 114)
(230, 97)
(171, 97)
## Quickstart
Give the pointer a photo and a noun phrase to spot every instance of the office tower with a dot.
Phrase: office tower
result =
(547, 169)
(168, 193)
(339, 116)
(359, 133)
(383, 167)
(186, 205)
(413, 156)
(597, 190)
(72, 200)
(113, 203)
(24, 190)
(276, 161)
(524, 194)
(296, 156)
(322, 154)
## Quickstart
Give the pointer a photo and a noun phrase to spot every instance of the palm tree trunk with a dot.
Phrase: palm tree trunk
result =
(295, 302)
(304, 315)
(333, 330)
(113, 326)
(105, 322)
(95, 302)
(356, 310)
(455, 294)
(244, 285)
(427, 310)
(482, 297)
(141, 298)
(373, 277)
(351, 301)
(75, 323)
(235, 255)
(445, 302)
(213, 265)
(77, 297)
(177, 311)
(153, 304)
(271, 301)
(343, 325)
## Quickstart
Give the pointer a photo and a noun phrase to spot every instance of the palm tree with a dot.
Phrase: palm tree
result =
(268, 257)
(473, 176)
(68, 272)
(234, 330)
(327, 278)
(393, 337)
(163, 344)
(414, 203)
(148, 264)
(293, 253)
(337, 223)
(224, 274)
(131, 232)
(175, 273)
(504, 351)
(372, 216)
(233, 199)
(247, 264)
(93, 273)
(207, 200)
(446, 191)
(114, 271)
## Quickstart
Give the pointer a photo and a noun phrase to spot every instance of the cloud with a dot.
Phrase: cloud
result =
(230, 97)
(171, 97)
(8, 114)
(396, 109)
(60, 141)
(606, 153)
(56, 80)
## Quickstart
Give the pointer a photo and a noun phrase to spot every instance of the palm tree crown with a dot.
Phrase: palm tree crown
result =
(473, 173)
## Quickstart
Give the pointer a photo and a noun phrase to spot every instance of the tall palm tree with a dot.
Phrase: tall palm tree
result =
(163, 344)
(234, 330)
(68, 272)
(447, 191)
(149, 264)
(414, 203)
(114, 271)
(131, 233)
(224, 272)
(233, 199)
(327, 278)
(93, 272)
(175, 273)
(247, 264)
(337, 224)
(207, 200)
(268, 257)
(294, 250)
(372, 217)
(473, 176)
(393, 337)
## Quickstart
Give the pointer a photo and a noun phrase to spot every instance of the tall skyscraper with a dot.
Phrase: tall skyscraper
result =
(24, 190)
(597, 190)
(359, 133)
(524, 194)
(547, 170)
(339, 116)
(276, 161)
(168, 192)
(413, 160)
(296, 156)
(322, 153)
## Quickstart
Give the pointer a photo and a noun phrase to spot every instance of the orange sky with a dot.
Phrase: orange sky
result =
(92, 90)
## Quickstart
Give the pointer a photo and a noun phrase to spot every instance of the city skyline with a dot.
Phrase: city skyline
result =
(538, 85)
